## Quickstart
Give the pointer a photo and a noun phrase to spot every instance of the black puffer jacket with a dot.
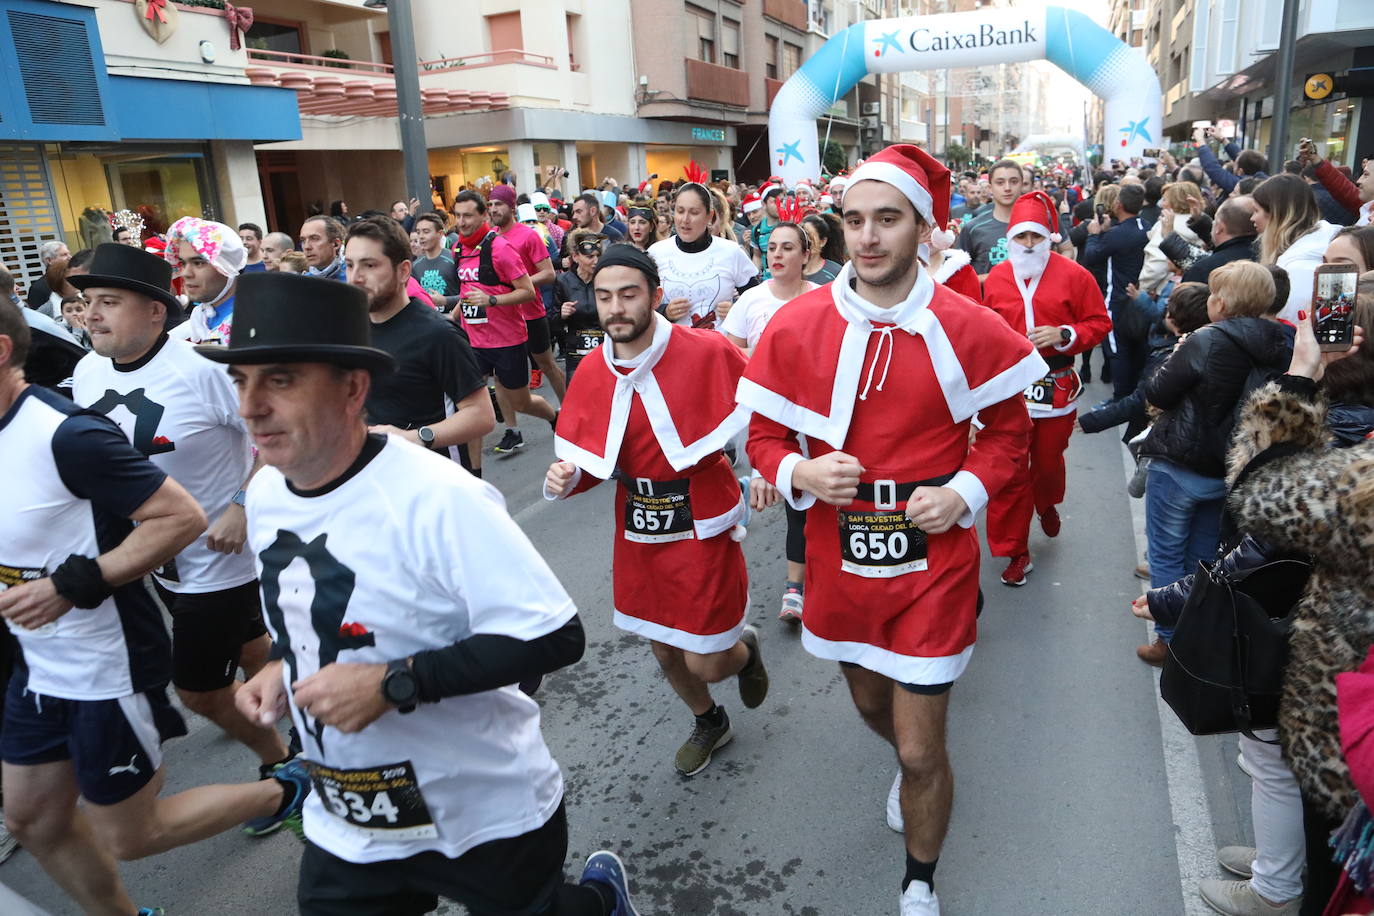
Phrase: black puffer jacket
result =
(1200, 385)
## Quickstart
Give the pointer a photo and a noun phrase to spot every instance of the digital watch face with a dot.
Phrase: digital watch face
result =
(1334, 307)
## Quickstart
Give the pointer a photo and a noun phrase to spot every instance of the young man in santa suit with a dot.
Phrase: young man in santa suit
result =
(1057, 305)
(863, 393)
(654, 408)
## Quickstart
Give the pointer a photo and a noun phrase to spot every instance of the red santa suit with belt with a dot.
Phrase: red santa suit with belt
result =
(1037, 289)
(658, 423)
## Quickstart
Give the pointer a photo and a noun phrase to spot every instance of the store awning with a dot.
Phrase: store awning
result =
(159, 109)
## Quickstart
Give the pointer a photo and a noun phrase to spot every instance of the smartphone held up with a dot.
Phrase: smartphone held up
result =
(1333, 305)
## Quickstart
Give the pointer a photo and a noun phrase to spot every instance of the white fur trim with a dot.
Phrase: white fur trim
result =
(954, 261)
(752, 205)
(942, 239)
(974, 494)
(1031, 225)
(785, 486)
(901, 180)
(688, 642)
(572, 484)
(905, 669)
(710, 527)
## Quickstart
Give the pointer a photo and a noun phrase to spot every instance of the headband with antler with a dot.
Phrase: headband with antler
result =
(695, 172)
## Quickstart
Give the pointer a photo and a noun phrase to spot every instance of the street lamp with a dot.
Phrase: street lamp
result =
(409, 107)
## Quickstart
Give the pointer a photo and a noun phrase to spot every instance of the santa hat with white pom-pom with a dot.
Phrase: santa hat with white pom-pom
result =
(1034, 212)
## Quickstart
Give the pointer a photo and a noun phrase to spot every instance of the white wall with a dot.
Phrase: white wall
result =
(130, 51)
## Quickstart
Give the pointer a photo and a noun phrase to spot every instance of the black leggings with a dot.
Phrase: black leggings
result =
(796, 534)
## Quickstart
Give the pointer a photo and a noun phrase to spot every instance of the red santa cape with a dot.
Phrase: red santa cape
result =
(896, 388)
(667, 419)
(956, 272)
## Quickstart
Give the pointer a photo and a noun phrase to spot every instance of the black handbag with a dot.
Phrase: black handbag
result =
(1224, 669)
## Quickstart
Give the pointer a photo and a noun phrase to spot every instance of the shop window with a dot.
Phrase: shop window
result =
(729, 43)
(504, 32)
(276, 35)
(706, 33)
(770, 61)
(161, 185)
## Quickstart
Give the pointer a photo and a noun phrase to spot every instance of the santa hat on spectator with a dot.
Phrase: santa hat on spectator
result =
(770, 188)
(1034, 212)
(921, 179)
(752, 202)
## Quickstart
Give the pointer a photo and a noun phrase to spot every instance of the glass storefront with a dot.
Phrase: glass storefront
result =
(1331, 125)
(451, 170)
(161, 182)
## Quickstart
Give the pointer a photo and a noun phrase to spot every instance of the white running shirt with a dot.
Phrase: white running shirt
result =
(703, 278)
(753, 310)
(410, 553)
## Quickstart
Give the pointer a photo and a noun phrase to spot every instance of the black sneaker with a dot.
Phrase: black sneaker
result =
(512, 440)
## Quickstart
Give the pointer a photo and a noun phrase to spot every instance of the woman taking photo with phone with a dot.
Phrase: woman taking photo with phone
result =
(1292, 236)
(789, 249)
(700, 272)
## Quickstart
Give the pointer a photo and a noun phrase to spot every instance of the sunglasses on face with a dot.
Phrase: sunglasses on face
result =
(544, 209)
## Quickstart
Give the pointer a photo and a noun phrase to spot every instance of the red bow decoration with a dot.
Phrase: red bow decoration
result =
(240, 19)
(695, 172)
(156, 10)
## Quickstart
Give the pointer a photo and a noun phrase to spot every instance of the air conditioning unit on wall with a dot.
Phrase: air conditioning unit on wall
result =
(870, 108)
(869, 121)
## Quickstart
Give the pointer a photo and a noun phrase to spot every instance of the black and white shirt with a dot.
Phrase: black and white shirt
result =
(181, 411)
(71, 482)
(402, 554)
(703, 277)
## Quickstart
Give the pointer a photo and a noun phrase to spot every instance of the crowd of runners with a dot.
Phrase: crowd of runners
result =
(275, 441)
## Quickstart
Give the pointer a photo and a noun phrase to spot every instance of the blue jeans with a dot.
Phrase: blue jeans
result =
(1182, 522)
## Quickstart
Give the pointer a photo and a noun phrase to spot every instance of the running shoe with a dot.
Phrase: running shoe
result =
(512, 440)
(919, 900)
(536, 379)
(295, 780)
(605, 867)
(894, 805)
(1015, 573)
(792, 602)
(1050, 523)
(8, 843)
(704, 741)
(753, 677)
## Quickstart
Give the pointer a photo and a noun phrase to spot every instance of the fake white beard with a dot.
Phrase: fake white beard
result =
(1028, 263)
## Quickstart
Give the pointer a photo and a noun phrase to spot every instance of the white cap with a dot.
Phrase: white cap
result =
(609, 199)
(525, 213)
(540, 199)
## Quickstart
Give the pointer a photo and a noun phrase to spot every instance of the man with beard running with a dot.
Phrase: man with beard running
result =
(1055, 303)
(882, 372)
(436, 398)
(653, 408)
(405, 604)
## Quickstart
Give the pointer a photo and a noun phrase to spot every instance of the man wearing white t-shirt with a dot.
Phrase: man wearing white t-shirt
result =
(182, 413)
(405, 605)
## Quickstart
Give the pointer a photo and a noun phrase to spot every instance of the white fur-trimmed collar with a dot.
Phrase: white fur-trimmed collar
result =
(955, 260)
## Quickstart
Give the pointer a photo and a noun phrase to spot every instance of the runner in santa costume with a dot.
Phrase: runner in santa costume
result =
(653, 407)
(863, 393)
(1057, 305)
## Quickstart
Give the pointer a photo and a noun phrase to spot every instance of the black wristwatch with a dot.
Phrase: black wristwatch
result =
(1065, 335)
(491, 301)
(399, 686)
(426, 436)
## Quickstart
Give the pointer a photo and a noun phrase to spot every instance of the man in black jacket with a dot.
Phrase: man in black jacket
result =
(1122, 248)
(1233, 238)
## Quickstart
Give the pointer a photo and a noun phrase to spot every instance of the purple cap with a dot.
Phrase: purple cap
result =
(504, 193)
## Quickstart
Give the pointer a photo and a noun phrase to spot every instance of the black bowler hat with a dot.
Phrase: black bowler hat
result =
(125, 267)
(289, 318)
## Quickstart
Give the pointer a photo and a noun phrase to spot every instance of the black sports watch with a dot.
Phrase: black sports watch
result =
(426, 435)
(1065, 335)
(399, 687)
(491, 301)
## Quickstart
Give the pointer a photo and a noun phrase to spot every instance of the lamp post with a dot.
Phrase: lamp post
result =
(409, 105)
(1283, 85)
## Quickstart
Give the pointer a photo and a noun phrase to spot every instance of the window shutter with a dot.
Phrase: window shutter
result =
(54, 56)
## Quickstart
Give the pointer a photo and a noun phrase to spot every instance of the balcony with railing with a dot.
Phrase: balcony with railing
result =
(789, 12)
(713, 83)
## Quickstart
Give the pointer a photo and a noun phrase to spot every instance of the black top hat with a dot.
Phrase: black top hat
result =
(126, 267)
(290, 318)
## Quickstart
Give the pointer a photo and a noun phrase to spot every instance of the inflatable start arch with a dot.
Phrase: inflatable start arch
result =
(1116, 72)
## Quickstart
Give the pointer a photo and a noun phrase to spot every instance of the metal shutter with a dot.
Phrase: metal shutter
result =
(54, 55)
(28, 214)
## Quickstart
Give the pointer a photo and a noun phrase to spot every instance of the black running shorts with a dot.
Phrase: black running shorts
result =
(510, 365)
(208, 633)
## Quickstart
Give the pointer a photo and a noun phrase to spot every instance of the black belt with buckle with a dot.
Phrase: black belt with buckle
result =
(886, 494)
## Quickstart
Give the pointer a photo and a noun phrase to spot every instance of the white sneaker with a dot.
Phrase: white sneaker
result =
(920, 900)
(894, 804)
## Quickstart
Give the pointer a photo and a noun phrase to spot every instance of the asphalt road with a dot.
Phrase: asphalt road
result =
(1070, 797)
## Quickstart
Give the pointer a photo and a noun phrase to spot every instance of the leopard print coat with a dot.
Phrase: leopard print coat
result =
(1305, 503)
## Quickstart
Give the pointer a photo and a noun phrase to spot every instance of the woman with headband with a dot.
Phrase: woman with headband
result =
(643, 225)
(702, 273)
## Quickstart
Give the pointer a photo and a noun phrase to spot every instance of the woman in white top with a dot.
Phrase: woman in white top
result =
(700, 272)
(1292, 236)
(789, 248)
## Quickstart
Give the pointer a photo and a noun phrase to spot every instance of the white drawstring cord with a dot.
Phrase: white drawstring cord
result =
(886, 336)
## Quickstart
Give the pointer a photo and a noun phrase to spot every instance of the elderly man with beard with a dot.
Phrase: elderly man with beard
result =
(1056, 304)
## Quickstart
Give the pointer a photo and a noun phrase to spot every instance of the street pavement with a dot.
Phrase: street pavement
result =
(1070, 796)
